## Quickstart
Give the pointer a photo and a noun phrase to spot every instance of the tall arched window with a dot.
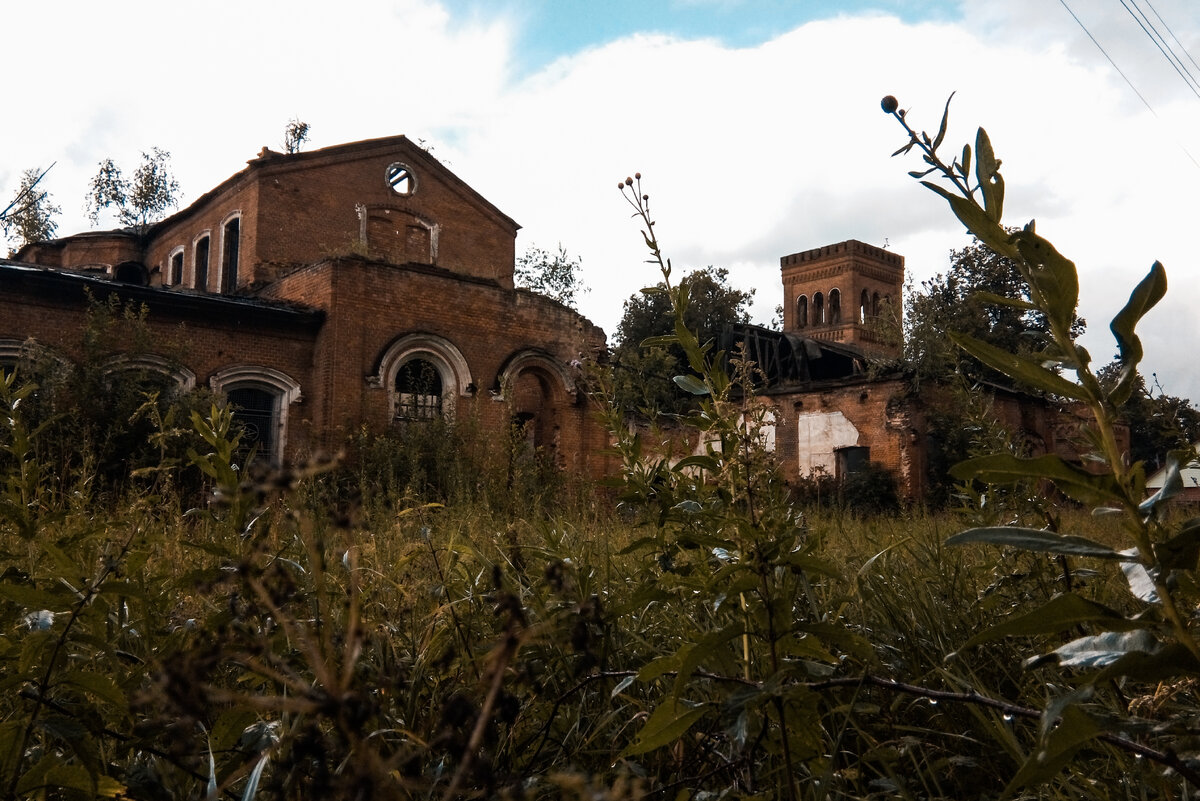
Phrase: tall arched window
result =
(801, 311)
(200, 266)
(864, 306)
(818, 311)
(423, 375)
(875, 305)
(231, 236)
(835, 306)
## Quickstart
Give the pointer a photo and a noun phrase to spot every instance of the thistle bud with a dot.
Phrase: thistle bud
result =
(889, 105)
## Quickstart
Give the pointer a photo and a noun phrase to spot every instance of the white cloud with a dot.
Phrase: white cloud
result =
(749, 153)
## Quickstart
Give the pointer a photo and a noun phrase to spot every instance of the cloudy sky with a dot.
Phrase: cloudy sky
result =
(755, 123)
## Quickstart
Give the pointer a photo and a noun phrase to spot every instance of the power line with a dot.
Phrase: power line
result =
(1173, 36)
(1121, 72)
(1163, 47)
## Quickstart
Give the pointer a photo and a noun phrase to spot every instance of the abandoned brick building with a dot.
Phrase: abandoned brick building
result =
(363, 285)
(837, 405)
(325, 291)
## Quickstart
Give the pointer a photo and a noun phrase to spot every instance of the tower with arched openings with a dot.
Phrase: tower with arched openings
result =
(849, 293)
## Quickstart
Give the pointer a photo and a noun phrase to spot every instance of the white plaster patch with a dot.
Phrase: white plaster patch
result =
(818, 435)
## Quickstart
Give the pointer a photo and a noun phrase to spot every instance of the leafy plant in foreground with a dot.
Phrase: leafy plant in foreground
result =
(1105, 648)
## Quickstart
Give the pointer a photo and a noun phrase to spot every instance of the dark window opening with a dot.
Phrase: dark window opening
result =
(864, 307)
(835, 306)
(131, 272)
(818, 309)
(229, 270)
(175, 269)
(418, 391)
(802, 312)
(254, 410)
(201, 282)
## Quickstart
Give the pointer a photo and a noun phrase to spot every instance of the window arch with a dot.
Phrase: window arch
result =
(864, 306)
(423, 375)
(174, 267)
(185, 379)
(835, 307)
(818, 309)
(802, 311)
(261, 397)
(200, 254)
(231, 240)
(875, 305)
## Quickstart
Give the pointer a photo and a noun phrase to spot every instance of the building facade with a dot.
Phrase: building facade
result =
(321, 292)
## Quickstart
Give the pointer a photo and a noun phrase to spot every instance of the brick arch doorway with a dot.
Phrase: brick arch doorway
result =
(537, 388)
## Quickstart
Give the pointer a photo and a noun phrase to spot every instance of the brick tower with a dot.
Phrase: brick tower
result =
(849, 293)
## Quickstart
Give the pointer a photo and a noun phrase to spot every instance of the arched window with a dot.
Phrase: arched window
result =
(801, 312)
(231, 235)
(260, 397)
(418, 391)
(875, 305)
(864, 306)
(835, 307)
(182, 379)
(818, 311)
(200, 264)
(174, 268)
(423, 375)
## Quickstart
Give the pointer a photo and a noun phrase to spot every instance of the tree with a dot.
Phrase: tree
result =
(981, 295)
(1158, 422)
(295, 135)
(30, 215)
(141, 201)
(644, 377)
(555, 275)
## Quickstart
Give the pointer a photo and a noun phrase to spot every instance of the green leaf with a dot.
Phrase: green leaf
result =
(1063, 738)
(665, 725)
(1022, 368)
(941, 134)
(660, 341)
(701, 461)
(1032, 539)
(1181, 552)
(1098, 650)
(1004, 468)
(988, 231)
(98, 684)
(1149, 291)
(987, 173)
(1166, 663)
(689, 383)
(1050, 275)
(1060, 613)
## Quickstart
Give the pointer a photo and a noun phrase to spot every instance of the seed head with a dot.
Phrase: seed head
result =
(629, 182)
(889, 105)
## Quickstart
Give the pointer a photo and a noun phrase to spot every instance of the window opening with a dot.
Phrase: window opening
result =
(802, 312)
(229, 270)
(175, 268)
(835, 306)
(201, 281)
(864, 306)
(818, 309)
(418, 391)
(401, 179)
(254, 410)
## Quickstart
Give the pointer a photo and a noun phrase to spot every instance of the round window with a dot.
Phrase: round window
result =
(401, 179)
